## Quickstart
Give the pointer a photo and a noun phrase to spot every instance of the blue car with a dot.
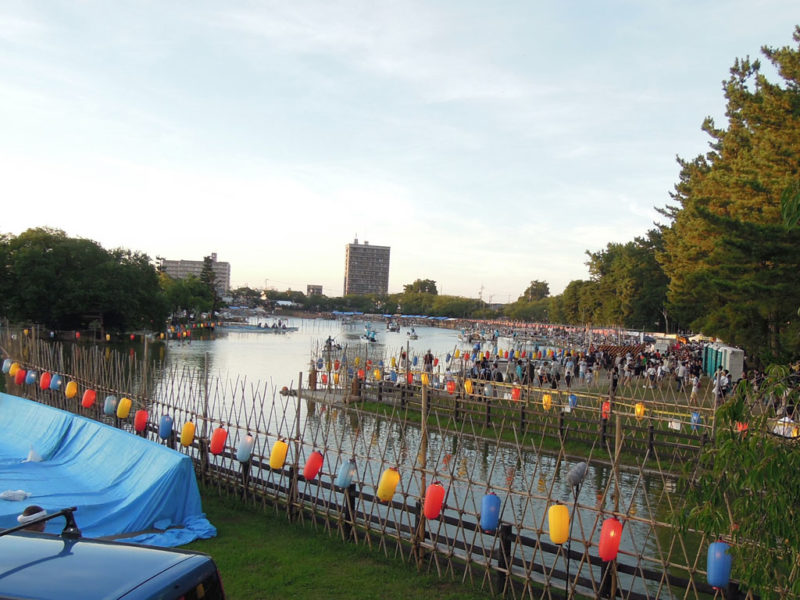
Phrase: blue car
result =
(65, 567)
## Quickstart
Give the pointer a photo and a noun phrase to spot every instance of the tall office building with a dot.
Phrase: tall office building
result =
(180, 269)
(366, 269)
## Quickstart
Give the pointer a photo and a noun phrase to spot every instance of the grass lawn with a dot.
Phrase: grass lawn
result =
(262, 555)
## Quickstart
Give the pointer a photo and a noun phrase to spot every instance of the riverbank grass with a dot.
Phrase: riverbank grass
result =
(262, 555)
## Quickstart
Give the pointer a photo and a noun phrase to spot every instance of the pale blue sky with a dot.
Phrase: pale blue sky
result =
(488, 143)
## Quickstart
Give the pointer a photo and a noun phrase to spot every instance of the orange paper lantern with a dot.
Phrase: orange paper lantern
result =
(89, 396)
(218, 439)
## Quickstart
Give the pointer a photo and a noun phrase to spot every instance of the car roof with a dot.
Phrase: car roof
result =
(40, 565)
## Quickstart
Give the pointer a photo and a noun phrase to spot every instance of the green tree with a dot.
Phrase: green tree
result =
(188, 294)
(209, 279)
(68, 283)
(536, 291)
(744, 487)
(421, 286)
(729, 212)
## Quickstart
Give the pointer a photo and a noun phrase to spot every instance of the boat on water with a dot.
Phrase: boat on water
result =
(369, 334)
(276, 327)
(392, 326)
(412, 335)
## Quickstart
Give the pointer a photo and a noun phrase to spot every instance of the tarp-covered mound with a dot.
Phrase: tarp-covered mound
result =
(122, 484)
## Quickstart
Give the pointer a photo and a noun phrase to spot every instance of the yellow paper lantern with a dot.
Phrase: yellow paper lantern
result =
(377, 374)
(25, 332)
(277, 457)
(387, 484)
(72, 389)
(394, 362)
(425, 379)
(468, 386)
(547, 401)
(639, 410)
(336, 378)
(558, 517)
(13, 370)
(124, 408)
(187, 434)
(457, 353)
(357, 360)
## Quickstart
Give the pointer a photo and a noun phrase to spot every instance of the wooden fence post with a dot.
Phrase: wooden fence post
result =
(504, 560)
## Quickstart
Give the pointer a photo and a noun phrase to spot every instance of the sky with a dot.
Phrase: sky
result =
(489, 144)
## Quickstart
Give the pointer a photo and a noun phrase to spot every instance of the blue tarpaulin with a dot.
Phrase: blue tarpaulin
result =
(122, 484)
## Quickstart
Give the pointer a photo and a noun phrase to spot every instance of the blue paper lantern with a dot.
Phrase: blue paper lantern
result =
(447, 358)
(7, 365)
(320, 364)
(245, 449)
(696, 420)
(573, 401)
(393, 376)
(110, 406)
(30, 377)
(380, 363)
(346, 473)
(165, 427)
(719, 564)
(414, 361)
(490, 512)
(55, 382)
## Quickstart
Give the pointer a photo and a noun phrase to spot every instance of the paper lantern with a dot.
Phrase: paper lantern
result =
(558, 518)
(393, 362)
(218, 439)
(387, 484)
(573, 401)
(124, 408)
(610, 534)
(89, 396)
(468, 386)
(110, 406)
(487, 355)
(719, 564)
(336, 378)
(490, 512)
(369, 363)
(414, 361)
(277, 457)
(344, 478)
(457, 353)
(393, 376)
(245, 449)
(324, 379)
(30, 377)
(547, 401)
(19, 376)
(320, 364)
(434, 499)
(72, 390)
(7, 365)
(165, 427)
(140, 420)
(336, 365)
(447, 357)
(425, 379)
(361, 373)
(133, 337)
(44, 380)
(77, 335)
(697, 420)
(377, 374)
(14, 369)
(435, 362)
(605, 410)
(523, 354)
(451, 387)
(505, 354)
(516, 393)
(639, 410)
(313, 465)
(187, 433)
(410, 377)
(357, 361)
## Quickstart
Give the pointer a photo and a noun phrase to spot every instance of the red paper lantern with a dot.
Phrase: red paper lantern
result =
(361, 373)
(133, 337)
(19, 376)
(324, 379)
(505, 354)
(140, 421)
(88, 399)
(606, 409)
(218, 439)
(516, 393)
(77, 335)
(44, 381)
(313, 465)
(434, 499)
(523, 354)
(336, 365)
(410, 377)
(451, 387)
(610, 535)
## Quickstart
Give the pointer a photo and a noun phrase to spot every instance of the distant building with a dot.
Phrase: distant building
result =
(313, 290)
(366, 269)
(180, 269)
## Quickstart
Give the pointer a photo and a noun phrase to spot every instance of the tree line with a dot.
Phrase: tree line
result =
(724, 261)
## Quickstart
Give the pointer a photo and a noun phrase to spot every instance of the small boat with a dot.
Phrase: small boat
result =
(391, 326)
(369, 334)
(412, 335)
(276, 327)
